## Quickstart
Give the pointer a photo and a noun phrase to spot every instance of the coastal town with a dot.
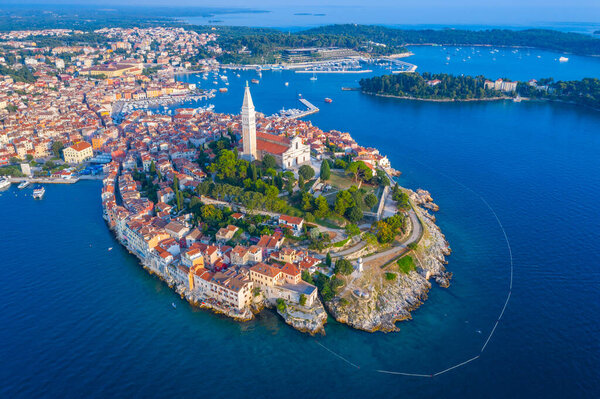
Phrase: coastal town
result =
(236, 212)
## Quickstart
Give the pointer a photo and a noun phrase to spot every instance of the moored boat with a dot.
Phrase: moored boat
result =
(38, 192)
(23, 184)
(4, 183)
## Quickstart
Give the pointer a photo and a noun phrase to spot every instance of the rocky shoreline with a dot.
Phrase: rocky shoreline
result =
(379, 303)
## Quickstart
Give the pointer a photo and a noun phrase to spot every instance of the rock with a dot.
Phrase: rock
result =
(309, 320)
(393, 301)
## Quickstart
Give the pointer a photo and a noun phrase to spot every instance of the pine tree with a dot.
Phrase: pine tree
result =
(325, 170)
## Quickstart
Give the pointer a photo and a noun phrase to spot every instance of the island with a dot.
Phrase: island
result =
(437, 87)
(445, 87)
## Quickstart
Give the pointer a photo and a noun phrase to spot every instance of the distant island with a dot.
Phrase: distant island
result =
(435, 87)
(445, 87)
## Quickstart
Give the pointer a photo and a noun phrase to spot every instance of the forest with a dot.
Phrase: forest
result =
(415, 85)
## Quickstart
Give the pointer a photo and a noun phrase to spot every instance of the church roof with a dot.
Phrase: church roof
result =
(247, 98)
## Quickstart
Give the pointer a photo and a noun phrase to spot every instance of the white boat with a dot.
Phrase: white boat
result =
(314, 77)
(173, 304)
(4, 183)
(38, 192)
(23, 184)
(287, 83)
(563, 59)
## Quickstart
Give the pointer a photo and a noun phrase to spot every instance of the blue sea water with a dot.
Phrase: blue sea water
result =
(79, 320)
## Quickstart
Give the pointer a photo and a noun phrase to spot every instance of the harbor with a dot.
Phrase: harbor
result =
(295, 113)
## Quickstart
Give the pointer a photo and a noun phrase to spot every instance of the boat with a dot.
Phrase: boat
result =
(110, 248)
(563, 59)
(4, 183)
(255, 81)
(287, 83)
(517, 99)
(23, 184)
(38, 192)
(328, 100)
(223, 90)
(173, 304)
(314, 77)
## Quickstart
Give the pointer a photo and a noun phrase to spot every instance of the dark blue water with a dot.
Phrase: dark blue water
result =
(79, 320)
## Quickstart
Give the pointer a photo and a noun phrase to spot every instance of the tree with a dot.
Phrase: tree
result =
(153, 168)
(354, 214)
(321, 207)
(328, 259)
(269, 161)
(307, 172)
(252, 173)
(370, 200)
(57, 148)
(225, 165)
(307, 202)
(343, 266)
(301, 182)
(352, 230)
(325, 173)
(343, 201)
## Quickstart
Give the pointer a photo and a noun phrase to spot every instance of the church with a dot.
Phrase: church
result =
(288, 152)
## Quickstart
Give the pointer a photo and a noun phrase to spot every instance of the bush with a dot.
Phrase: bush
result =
(281, 305)
(406, 264)
(302, 300)
(390, 276)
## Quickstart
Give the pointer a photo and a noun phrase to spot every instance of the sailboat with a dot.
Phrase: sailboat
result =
(314, 77)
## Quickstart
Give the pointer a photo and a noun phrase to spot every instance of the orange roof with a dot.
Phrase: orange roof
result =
(80, 146)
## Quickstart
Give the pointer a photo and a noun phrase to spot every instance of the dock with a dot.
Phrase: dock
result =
(311, 108)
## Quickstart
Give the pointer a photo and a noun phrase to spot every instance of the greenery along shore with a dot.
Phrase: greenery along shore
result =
(438, 86)
(425, 87)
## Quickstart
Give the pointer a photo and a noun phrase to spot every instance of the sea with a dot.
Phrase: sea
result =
(517, 185)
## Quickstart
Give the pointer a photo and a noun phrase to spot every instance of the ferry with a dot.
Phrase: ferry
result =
(23, 184)
(255, 81)
(563, 59)
(38, 192)
(328, 100)
(4, 183)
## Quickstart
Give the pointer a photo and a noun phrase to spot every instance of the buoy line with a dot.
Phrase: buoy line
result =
(489, 337)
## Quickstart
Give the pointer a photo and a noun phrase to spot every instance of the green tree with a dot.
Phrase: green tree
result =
(281, 305)
(225, 164)
(301, 183)
(321, 207)
(352, 229)
(307, 202)
(370, 200)
(306, 172)
(343, 266)
(269, 161)
(152, 168)
(343, 201)
(354, 214)
(57, 148)
(325, 172)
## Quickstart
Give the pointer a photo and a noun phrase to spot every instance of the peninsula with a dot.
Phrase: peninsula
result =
(239, 224)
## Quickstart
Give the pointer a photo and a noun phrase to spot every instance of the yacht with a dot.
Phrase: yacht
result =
(38, 192)
(563, 59)
(23, 184)
(4, 183)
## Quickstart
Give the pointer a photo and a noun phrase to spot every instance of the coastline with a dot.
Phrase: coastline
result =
(438, 100)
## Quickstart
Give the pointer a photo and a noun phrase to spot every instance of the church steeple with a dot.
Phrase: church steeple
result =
(248, 126)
